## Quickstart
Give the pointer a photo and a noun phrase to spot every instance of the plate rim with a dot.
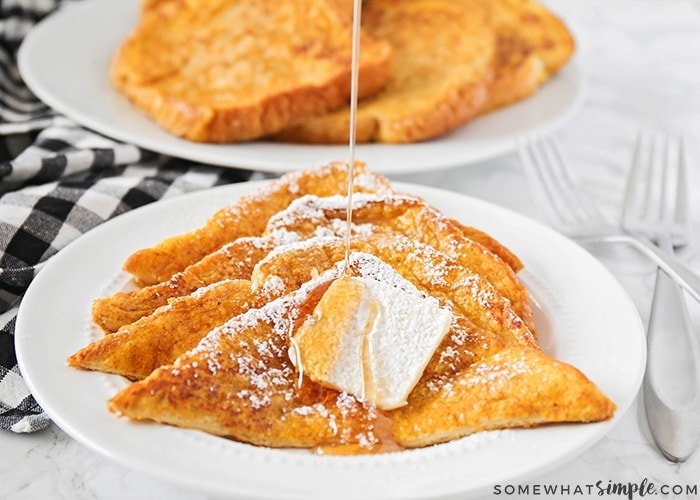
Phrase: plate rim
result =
(460, 148)
(596, 432)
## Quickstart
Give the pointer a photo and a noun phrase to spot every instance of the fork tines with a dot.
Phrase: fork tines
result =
(557, 189)
(656, 194)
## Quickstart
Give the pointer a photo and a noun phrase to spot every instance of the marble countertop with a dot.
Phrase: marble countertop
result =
(642, 68)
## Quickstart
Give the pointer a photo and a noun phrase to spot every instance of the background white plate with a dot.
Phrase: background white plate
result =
(64, 61)
(584, 317)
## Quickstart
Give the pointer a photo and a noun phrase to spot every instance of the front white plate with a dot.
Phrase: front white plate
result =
(64, 61)
(583, 315)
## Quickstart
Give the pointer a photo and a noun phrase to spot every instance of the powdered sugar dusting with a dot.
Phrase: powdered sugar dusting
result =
(264, 364)
(279, 313)
(202, 291)
(297, 244)
(368, 266)
(272, 287)
(498, 370)
(314, 208)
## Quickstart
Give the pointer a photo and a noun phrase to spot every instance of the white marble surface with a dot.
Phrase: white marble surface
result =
(642, 63)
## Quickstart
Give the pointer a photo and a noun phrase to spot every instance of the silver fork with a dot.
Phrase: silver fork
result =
(656, 205)
(565, 202)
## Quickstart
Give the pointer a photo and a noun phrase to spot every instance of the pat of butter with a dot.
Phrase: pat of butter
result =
(371, 339)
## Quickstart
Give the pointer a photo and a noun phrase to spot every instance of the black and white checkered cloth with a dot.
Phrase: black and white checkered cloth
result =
(57, 181)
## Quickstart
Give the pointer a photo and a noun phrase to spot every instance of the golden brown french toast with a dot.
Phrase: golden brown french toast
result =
(437, 323)
(442, 69)
(526, 43)
(412, 217)
(401, 215)
(246, 217)
(516, 387)
(240, 383)
(159, 337)
(234, 260)
(429, 269)
(135, 350)
(234, 70)
(230, 386)
(532, 44)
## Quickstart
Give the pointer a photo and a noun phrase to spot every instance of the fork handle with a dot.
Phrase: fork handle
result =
(672, 377)
(677, 270)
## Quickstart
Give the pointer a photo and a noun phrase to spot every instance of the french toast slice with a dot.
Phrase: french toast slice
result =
(235, 260)
(429, 269)
(532, 45)
(391, 214)
(240, 382)
(246, 217)
(513, 388)
(442, 69)
(180, 264)
(219, 358)
(235, 70)
(135, 350)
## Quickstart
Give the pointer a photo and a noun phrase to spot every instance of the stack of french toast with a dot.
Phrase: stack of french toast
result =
(232, 328)
(239, 70)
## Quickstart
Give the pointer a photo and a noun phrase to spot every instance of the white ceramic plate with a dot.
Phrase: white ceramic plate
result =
(64, 61)
(600, 333)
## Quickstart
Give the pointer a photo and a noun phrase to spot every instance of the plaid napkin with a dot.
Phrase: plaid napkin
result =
(57, 181)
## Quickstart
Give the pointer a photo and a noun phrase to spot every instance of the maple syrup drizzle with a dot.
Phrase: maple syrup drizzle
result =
(354, 77)
(295, 355)
(381, 431)
(382, 427)
(368, 390)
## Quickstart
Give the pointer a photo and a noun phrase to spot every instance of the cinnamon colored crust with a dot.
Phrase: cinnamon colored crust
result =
(515, 387)
(240, 383)
(532, 44)
(442, 69)
(217, 355)
(481, 56)
(401, 215)
(439, 275)
(234, 260)
(234, 70)
(135, 350)
(412, 217)
(246, 217)
(398, 225)
(230, 386)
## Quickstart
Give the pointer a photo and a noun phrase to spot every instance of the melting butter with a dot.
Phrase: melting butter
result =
(371, 339)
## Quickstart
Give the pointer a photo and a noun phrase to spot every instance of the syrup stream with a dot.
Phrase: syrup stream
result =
(383, 424)
(354, 76)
